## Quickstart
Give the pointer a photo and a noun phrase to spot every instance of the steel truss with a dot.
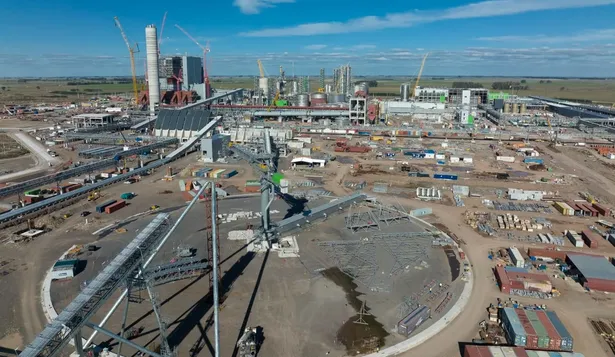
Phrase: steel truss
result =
(69, 322)
(361, 221)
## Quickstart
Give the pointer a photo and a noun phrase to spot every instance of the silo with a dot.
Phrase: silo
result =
(507, 107)
(514, 108)
(523, 108)
(263, 84)
(295, 87)
(337, 98)
(151, 49)
(361, 89)
(318, 98)
(303, 100)
(404, 91)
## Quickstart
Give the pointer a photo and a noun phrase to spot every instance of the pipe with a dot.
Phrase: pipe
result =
(149, 260)
(214, 233)
(121, 339)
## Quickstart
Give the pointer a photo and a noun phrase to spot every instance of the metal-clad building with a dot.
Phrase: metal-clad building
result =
(181, 123)
(595, 273)
(214, 148)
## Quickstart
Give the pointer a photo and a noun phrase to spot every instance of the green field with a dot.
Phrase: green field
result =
(36, 91)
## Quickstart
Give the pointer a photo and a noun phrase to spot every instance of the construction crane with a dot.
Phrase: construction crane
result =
(205, 50)
(418, 77)
(164, 20)
(273, 102)
(132, 49)
(261, 69)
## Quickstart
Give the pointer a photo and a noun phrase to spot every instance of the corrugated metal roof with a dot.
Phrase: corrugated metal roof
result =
(593, 267)
(514, 321)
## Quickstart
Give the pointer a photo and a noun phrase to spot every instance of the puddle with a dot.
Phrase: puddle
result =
(357, 338)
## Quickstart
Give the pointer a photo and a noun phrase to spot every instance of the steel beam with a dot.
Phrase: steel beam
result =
(104, 331)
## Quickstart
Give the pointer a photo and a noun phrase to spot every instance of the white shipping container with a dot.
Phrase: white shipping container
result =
(505, 158)
(440, 156)
(516, 257)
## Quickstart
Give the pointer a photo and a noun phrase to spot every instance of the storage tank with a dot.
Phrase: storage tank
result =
(523, 108)
(337, 98)
(328, 88)
(295, 87)
(263, 84)
(361, 89)
(318, 98)
(404, 92)
(303, 100)
(507, 108)
(514, 108)
(151, 49)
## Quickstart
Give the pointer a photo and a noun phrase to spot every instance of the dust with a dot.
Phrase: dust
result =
(357, 338)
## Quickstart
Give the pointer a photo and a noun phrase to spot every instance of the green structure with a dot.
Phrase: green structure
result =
(501, 95)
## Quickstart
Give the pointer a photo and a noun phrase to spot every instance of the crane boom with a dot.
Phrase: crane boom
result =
(205, 49)
(418, 77)
(260, 68)
(132, 51)
(164, 20)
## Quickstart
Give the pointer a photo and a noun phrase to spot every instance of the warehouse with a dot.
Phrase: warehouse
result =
(535, 329)
(181, 124)
(595, 272)
(513, 280)
(497, 351)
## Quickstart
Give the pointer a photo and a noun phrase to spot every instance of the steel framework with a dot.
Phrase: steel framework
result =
(362, 220)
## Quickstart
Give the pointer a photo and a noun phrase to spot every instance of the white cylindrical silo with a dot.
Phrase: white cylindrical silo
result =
(151, 48)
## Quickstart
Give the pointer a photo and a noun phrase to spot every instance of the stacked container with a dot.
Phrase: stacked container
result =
(535, 329)
(253, 186)
(605, 211)
(114, 207)
(101, 208)
(575, 239)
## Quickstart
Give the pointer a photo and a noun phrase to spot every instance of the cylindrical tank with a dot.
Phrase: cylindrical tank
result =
(263, 84)
(337, 98)
(303, 100)
(514, 108)
(523, 108)
(318, 98)
(295, 87)
(361, 89)
(328, 88)
(507, 108)
(404, 91)
(151, 48)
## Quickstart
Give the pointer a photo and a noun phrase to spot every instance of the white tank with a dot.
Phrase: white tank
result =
(404, 91)
(337, 98)
(263, 84)
(303, 100)
(151, 48)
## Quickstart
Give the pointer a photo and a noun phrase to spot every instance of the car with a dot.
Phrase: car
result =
(85, 213)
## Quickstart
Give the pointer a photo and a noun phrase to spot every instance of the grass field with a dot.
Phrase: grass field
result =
(598, 91)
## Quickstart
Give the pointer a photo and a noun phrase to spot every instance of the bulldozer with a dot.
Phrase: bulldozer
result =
(93, 196)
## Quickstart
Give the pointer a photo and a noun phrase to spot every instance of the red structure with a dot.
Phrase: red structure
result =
(590, 238)
(513, 279)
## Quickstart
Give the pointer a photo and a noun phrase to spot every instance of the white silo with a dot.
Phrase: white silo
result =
(151, 48)
(263, 84)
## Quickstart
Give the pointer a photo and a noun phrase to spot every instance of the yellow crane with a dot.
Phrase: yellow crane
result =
(132, 49)
(273, 102)
(418, 77)
(260, 68)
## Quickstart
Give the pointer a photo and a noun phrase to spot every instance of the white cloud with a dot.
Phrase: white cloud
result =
(585, 36)
(363, 47)
(489, 8)
(315, 47)
(251, 7)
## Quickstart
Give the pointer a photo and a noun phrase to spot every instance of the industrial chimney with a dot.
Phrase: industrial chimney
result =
(151, 48)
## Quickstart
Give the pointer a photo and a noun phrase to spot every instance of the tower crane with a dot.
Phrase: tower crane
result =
(418, 77)
(164, 21)
(205, 50)
(261, 69)
(132, 49)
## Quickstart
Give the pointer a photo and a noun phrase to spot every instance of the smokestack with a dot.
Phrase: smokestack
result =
(151, 47)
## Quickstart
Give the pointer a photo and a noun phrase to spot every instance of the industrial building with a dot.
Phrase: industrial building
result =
(92, 120)
(515, 281)
(498, 351)
(594, 272)
(181, 123)
(524, 195)
(215, 147)
(431, 95)
(181, 73)
(64, 269)
(535, 329)
(472, 97)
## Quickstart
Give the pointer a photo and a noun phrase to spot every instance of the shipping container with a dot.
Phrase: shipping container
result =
(182, 185)
(574, 238)
(409, 323)
(539, 330)
(590, 238)
(563, 208)
(605, 211)
(364, 133)
(515, 333)
(516, 257)
(561, 330)
(505, 158)
(32, 199)
(101, 208)
(230, 174)
(505, 351)
(445, 177)
(114, 207)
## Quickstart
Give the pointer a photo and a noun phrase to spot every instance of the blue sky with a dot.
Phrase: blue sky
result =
(497, 37)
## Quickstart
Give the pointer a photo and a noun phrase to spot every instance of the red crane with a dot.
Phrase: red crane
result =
(205, 50)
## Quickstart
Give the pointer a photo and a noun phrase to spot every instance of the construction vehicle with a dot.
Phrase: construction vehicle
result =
(132, 50)
(154, 208)
(247, 344)
(121, 230)
(66, 215)
(205, 50)
(418, 77)
(93, 196)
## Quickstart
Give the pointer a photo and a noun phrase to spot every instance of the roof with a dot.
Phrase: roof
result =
(593, 267)
(309, 160)
(67, 262)
(93, 116)
(182, 119)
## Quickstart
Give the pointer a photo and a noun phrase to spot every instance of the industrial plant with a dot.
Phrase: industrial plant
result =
(307, 215)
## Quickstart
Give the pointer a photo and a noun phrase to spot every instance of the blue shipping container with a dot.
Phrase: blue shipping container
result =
(364, 133)
(561, 330)
(533, 160)
(513, 327)
(445, 177)
(230, 174)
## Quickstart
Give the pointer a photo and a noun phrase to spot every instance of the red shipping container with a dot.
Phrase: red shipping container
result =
(360, 149)
(605, 211)
(252, 189)
(547, 253)
(73, 187)
(32, 199)
(340, 149)
(590, 238)
(600, 285)
(555, 341)
(532, 338)
(114, 207)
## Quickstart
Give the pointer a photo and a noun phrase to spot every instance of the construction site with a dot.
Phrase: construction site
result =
(180, 219)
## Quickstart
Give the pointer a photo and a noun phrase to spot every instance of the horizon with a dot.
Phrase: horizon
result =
(521, 38)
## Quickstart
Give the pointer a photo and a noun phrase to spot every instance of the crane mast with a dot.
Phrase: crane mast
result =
(205, 50)
(418, 77)
(132, 49)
